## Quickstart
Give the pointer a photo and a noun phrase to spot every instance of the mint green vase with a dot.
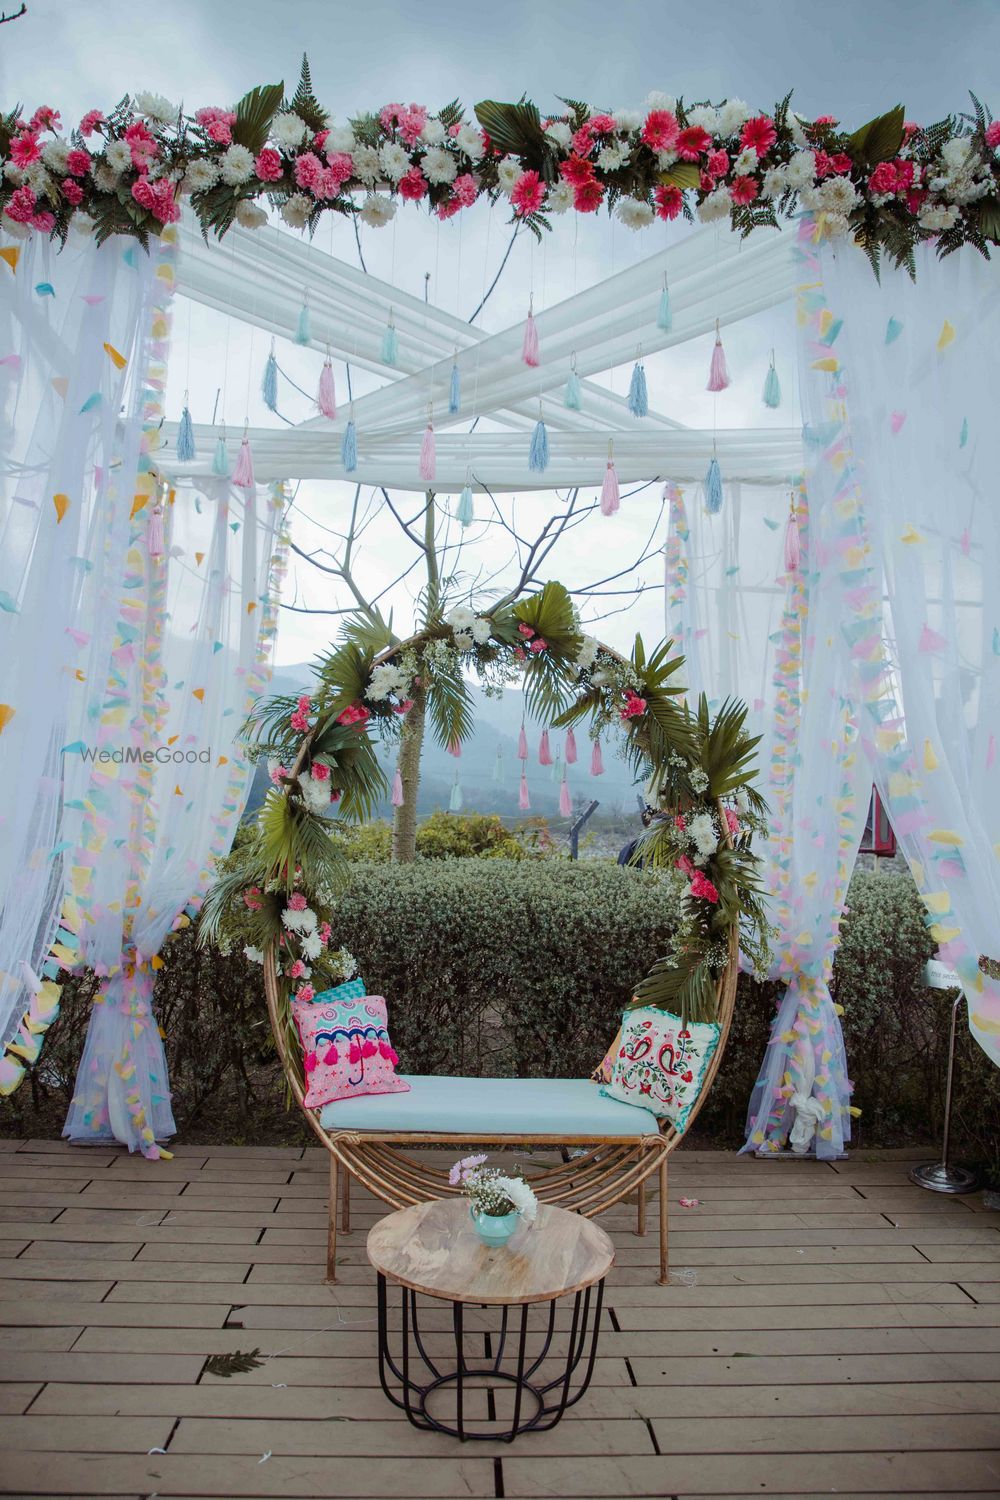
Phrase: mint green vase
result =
(494, 1229)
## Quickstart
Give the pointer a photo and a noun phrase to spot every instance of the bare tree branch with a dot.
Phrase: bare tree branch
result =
(492, 286)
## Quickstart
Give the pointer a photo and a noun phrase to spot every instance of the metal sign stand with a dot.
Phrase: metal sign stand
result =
(941, 1176)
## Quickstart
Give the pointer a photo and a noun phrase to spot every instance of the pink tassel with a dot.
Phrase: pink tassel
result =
(718, 375)
(522, 745)
(455, 748)
(243, 472)
(529, 352)
(793, 551)
(544, 750)
(330, 1056)
(326, 396)
(596, 760)
(154, 532)
(565, 800)
(523, 800)
(609, 493)
(397, 790)
(570, 752)
(428, 455)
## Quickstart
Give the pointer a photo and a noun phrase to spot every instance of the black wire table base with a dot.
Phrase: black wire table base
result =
(537, 1404)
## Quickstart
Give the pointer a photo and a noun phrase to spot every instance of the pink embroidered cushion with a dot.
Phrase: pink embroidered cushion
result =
(346, 1049)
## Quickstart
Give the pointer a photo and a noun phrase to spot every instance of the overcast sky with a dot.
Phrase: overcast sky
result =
(852, 59)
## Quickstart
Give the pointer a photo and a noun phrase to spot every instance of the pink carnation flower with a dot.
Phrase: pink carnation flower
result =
(413, 184)
(685, 866)
(583, 140)
(24, 149)
(44, 118)
(759, 133)
(21, 206)
(528, 195)
(634, 708)
(404, 707)
(319, 771)
(297, 902)
(718, 163)
(72, 191)
(412, 122)
(464, 189)
(538, 645)
(308, 169)
(354, 713)
(703, 888)
(268, 165)
(91, 120)
(732, 822)
(660, 130)
(305, 992)
(525, 630)
(339, 167)
(826, 120)
(43, 221)
(296, 970)
(278, 774)
(602, 124)
(324, 932)
(883, 179)
(251, 898)
(993, 134)
(78, 162)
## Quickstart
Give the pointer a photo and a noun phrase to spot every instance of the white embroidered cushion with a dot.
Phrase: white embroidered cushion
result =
(661, 1063)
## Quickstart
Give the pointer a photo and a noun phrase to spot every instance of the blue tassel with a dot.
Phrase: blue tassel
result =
(185, 437)
(220, 459)
(455, 391)
(302, 333)
(465, 511)
(269, 384)
(665, 318)
(538, 457)
(349, 448)
(390, 345)
(713, 488)
(638, 397)
(772, 388)
(573, 398)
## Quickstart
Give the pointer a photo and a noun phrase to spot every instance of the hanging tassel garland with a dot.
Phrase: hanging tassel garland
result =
(455, 802)
(538, 455)
(428, 455)
(390, 344)
(269, 381)
(465, 512)
(529, 350)
(220, 458)
(523, 800)
(610, 496)
(522, 744)
(665, 317)
(154, 532)
(455, 391)
(544, 750)
(185, 436)
(565, 800)
(243, 472)
(772, 387)
(718, 375)
(573, 397)
(303, 333)
(793, 550)
(596, 760)
(349, 448)
(397, 790)
(570, 751)
(713, 488)
(638, 397)
(326, 396)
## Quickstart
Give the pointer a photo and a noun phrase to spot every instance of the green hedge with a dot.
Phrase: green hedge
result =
(493, 966)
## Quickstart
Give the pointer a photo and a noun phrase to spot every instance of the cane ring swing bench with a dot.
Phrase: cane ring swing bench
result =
(622, 1145)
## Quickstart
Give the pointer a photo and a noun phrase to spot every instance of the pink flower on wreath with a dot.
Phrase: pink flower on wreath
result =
(718, 163)
(703, 888)
(910, 129)
(448, 209)
(404, 707)
(320, 771)
(389, 114)
(685, 866)
(692, 143)
(305, 992)
(464, 190)
(24, 149)
(412, 122)
(660, 130)
(759, 133)
(78, 162)
(824, 165)
(21, 206)
(576, 171)
(319, 139)
(520, 654)
(141, 143)
(528, 195)
(72, 191)
(679, 823)
(44, 221)
(300, 718)
(883, 179)
(634, 708)
(841, 163)
(91, 120)
(993, 134)
(732, 822)
(526, 630)
(583, 140)
(744, 190)
(339, 167)
(602, 124)
(354, 713)
(268, 165)
(251, 898)
(538, 645)
(308, 169)
(588, 197)
(323, 932)
(278, 774)
(297, 902)
(297, 970)
(44, 118)
(413, 185)
(669, 201)
(904, 174)
(217, 124)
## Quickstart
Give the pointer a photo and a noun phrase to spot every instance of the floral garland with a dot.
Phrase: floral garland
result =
(278, 892)
(891, 184)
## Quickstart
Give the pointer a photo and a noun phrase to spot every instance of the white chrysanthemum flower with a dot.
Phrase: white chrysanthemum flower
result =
(732, 116)
(308, 920)
(156, 107)
(433, 132)
(716, 206)
(746, 162)
(312, 945)
(104, 177)
(665, 159)
(296, 210)
(291, 919)
(81, 223)
(775, 182)
(250, 216)
(385, 679)
(118, 156)
(201, 174)
(255, 955)
(482, 629)
(702, 831)
(560, 132)
(520, 1194)
(461, 618)
(628, 119)
(463, 640)
(288, 130)
(810, 199)
(795, 126)
(613, 156)
(377, 210)
(838, 195)
(587, 654)
(340, 138)
(661, 101)
(237, 164)
(835, 226)
(366, 163)
(439, 165)
(633, 213)
(801, 170)
(937, 216)
(395, 160)
(706, 116)
(559, 198)
(956, 153)
(13, 174)
(470, 140)
(508, 172)
(55, 155)
(37, 178)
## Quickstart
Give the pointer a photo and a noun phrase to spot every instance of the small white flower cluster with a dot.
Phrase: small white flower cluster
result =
(303, 921)
(492, 1192)
(468, 629)
(386, 680)
(704, 836)
(699, 780)
(587, 654)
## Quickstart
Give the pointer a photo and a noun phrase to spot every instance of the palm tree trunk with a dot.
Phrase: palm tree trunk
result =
(404, 821)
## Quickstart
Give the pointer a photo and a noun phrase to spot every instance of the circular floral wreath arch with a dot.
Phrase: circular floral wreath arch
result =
(278, 891)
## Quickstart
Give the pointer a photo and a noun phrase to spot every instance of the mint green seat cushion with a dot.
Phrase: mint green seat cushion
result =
(486, 1107)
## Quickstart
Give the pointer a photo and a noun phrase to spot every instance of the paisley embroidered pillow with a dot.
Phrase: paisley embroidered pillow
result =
(346, 1049)
(661, 1063)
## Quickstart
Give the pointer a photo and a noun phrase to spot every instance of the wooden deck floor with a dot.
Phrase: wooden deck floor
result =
(831, 1330)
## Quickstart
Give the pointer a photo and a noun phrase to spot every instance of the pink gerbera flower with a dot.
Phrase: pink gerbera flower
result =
(576, 171)
(660, 130)
(669, 201)
(759, 133)
(692, 143)
(24, 149)
(744, 190)
(528, 195)
(588, 197)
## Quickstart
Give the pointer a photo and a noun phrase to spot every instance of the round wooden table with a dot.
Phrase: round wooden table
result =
(433, 1250)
